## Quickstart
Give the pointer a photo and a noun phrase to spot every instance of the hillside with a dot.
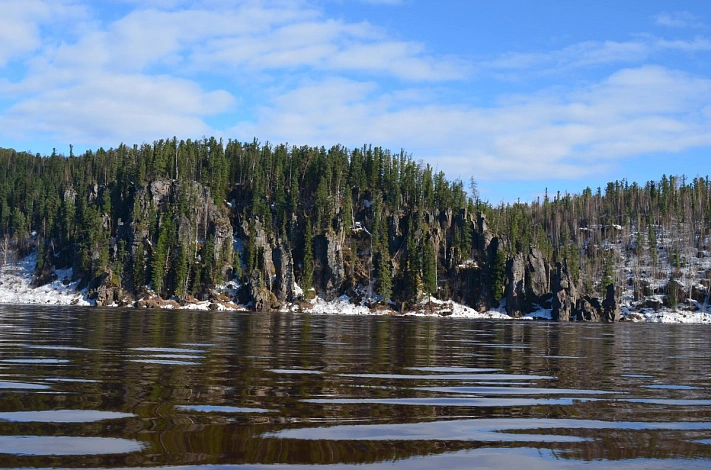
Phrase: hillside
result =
(179, 219)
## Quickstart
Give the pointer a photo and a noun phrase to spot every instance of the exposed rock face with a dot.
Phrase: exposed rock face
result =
(200, 219)
(564, 294)
(283, 285)
(515, 288)
(108, 292)
(329, 271)
(610, 307)
(263, 299)
(588, 309)
(484, 235)
(527, 282)
(537, 275)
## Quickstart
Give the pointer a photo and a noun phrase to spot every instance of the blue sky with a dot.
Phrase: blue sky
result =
(522, 96)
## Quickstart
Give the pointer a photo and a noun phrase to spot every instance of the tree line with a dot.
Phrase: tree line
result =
(406, 228)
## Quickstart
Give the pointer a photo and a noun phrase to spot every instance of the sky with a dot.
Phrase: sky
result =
(525, 97)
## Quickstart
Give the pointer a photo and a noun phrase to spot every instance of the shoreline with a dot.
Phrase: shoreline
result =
(16, 289)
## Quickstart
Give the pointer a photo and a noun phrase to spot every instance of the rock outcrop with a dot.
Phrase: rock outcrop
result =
(329, 270)
(610, 306)
(516, 305)
(527, 282)
(564, 294)
(588, 309)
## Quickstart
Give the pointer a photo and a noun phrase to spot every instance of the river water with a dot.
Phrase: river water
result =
(112, 388)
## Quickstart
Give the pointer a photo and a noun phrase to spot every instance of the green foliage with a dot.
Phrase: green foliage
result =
(161, 255)
(671, 290)
(608, 275)
(429, 269)
(307, 271)
(498, 275)
(97, 212)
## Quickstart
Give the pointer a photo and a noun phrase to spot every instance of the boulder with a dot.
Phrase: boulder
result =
(699, 294)
(588, 309)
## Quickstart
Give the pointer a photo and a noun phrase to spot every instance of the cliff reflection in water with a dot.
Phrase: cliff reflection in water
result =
(128, 388)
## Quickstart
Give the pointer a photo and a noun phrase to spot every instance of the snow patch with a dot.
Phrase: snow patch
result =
(16, 286)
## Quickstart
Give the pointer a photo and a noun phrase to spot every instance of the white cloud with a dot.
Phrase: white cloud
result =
(136, 76)
(111, 108)
(596, 53)
(553, 134)
(678, 19)
(21, 22)
(140, 77)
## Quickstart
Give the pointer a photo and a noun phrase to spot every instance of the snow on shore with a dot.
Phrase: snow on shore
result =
(16, 288)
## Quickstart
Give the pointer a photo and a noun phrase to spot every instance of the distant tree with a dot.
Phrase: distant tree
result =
(429, 268)
(498, 275)
(307, 273)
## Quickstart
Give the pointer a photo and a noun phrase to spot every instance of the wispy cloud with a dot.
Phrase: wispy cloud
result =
(139, 76)
(281, 70)
(678, 19)
(596, 53)
(21, 20)
(549, 134)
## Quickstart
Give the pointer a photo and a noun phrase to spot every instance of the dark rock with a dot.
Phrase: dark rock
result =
(283, 263)
(588, 309)
(329, 270)
(653, 304)
(699, 294)
(537, 275)
(564, 294)
(515, 287)
(263, 300)
(610, 307)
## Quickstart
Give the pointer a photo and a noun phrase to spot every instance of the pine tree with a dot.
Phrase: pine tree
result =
(429, 269)
(383, 279)
(160, 256)
(498, 275)
(307, 273)
(608, 273)
(413, 279)
(139, 269)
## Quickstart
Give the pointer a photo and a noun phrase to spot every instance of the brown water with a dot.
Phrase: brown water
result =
(88, 388)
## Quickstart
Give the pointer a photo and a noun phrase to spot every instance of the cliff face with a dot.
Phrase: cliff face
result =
(154, 220)
(175, 235)
(172, 224)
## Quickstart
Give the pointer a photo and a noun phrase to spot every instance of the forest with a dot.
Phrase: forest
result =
(180, 219)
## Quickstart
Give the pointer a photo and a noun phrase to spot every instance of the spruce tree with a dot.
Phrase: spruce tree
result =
(307, 273)
(498, 275)
(429, 269)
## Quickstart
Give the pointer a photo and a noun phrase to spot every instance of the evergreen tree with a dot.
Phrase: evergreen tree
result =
(429, 269)
(160, 256)
(608, 275)
(307, 273)
(383, 279)
(413, 279)
(498, 275)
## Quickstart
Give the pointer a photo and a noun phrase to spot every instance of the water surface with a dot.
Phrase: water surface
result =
(112, 388)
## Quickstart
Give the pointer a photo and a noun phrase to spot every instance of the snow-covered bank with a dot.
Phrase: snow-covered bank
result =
(16, 288)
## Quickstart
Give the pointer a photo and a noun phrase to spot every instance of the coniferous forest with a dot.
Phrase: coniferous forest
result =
(180, 218)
